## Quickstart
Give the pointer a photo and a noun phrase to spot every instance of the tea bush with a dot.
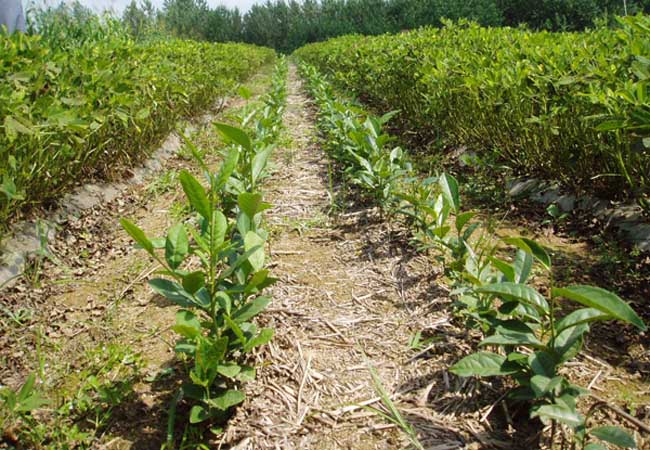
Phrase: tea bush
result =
(71, 114)
(214, 263)
(531, 336)
(567, 106)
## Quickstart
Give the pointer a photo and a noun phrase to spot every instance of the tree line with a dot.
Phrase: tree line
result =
(287, 25)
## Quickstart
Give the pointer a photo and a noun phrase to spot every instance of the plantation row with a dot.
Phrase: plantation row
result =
(573, 107)
(214, 263)
(527, 336)
(70, 114)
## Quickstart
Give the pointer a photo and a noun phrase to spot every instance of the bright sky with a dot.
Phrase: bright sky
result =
(118, 5)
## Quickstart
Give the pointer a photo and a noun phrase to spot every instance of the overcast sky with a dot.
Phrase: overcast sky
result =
(118, 5)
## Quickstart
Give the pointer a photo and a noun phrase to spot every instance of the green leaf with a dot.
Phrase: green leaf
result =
(568, 343)
(449, 186)
(13, 127)
(578, 317)
(482, 364)
(506, 269)
(250, 203)
(227, 399)
(235, 135)
(247, 373)
(251, 309)
(195, 194)
(187, 324)
(559, 413)
(542, 385)
(505, 335)
(517, 291)
(176, 245)
(138, 235)
(611, 125)
(614, 435)
(253, 241)
(193, 281)
(229, 370)
(595, 446)
(259, 162)
(523, 265)
(542, 363)
(462, 219)
(262, 338)
(171, 291)
(602, 300)
(227, 168)
(224, 302)
(26, 388)
(531, 247)
(219, 228)
(198, 414)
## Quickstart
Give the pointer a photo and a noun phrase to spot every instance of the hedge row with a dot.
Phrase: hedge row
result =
(568, 106)
(73, 114)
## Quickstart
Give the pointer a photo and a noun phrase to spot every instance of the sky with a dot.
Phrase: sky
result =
(118, 5)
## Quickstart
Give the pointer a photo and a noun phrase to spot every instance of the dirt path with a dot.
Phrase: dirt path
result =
(350, 295)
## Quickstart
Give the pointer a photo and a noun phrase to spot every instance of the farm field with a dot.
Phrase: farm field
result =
(310, 269)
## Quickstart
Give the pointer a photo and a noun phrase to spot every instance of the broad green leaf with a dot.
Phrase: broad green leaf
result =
(462, 219)
(449, 186)
(251, 309)
(517, 291)
(195, 194)
(559, 413)
(227, 399)
(569, 342)
(580, 316)
(13, 127)
(614, 435)
(224, 302)
(229, 370)
(171, 291)
(176, 245)
(531, 247)
(506, 269)
(193, 281)
(543, 363)
(482, 364)
(187, 324)
(504, 335)
(259, 162)
(250, 203)
(219, 228)
(227, 168)
(258, 278)
(523, 265)
(253, 241)
(602, 300)
(198, 414)
(595, 446)
(542, 385)
(235, 329)
(247, 373)
(262, 338)
(235, 135)
(138, 235)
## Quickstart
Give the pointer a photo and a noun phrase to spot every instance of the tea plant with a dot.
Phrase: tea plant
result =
(532, 337)
(214, 264)
(71, 112)
(567, 106)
